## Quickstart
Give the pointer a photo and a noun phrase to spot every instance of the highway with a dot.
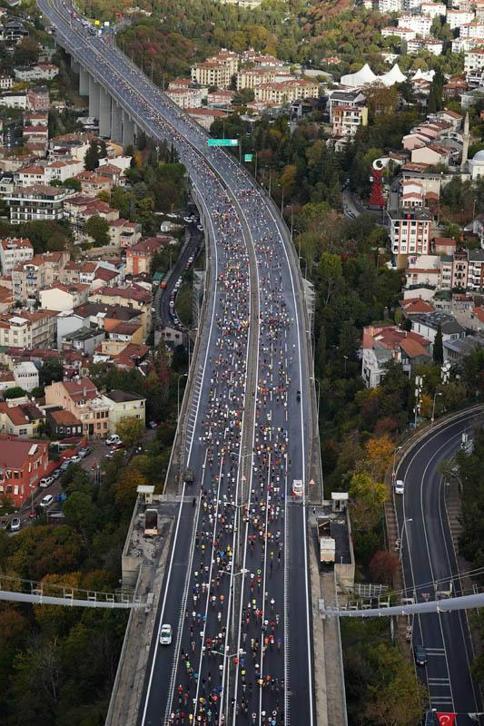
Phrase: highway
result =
(236, 590)
(429, 565)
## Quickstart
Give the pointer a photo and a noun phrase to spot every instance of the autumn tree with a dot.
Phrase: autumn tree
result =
(378, 456)
(383, 566)
(367, 498)
(131, 430)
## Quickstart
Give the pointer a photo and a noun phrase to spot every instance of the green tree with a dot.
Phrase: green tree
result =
(131, 430)
(98, 228)
(367, 499)
(15, 392)
(438, 350)
(52, 370)
(331, 274)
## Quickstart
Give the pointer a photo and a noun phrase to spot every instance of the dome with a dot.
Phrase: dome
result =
(479, 156)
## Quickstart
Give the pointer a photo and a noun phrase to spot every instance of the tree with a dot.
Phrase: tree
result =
(438, 349)
(367, 499)
(52, 370)
(96, 151)
(383, 567)
(331, 274)
(98, 228)
(131, 430)
(379, 453)
(26, 53)
(72, 183)
(14, 392)
(434, 102)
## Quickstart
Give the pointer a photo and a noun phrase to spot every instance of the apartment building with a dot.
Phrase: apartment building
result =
(433, 10)
(14, 251)
(420, 24)
(23, 463)
(36, 203)
(410, 231)
(284, 92)
(38, 273)
(82, 399)
(28, 329)
(346, 120)
(381, 344)
(457, 18)
(216, 71)
(139, 257)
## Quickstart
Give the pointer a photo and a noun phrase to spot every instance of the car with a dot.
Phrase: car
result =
(83, 453)
(399, 487)
(76, 459)
(56, 474)
(65, 464)
(46, 481)
(153, 425)
(15, 524)
(113, 439)
(298, 396)
(46, 501)
(297, 488)
(165, 634)
(420, 655)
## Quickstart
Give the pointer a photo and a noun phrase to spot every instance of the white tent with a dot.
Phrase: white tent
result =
(360, 78)
(423, 76)
(393, 76)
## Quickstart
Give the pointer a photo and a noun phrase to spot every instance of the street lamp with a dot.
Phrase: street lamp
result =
(183, 375)
(437, 393)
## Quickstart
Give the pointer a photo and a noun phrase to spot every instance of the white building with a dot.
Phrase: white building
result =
(421, 24)
(26, 375)
(456, 18)
(410, 231)
(433, 10)
(14, 251)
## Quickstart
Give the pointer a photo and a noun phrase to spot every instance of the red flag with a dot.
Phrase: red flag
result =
(446, 719)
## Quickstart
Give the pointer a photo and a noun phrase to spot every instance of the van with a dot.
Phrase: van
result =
(399, 487)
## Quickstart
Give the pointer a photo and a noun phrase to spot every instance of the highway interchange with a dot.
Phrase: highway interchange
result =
(431, 566)
(236, 588)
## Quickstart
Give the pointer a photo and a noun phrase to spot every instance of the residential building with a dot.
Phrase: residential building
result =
(132, 296)
(428, 325)
(23, 420)
(124, 234)
(432, 155)
(14, 251)
(15, 100)
(431, 45)
(84, 340)
(410, 231)
(126, 405)
(6, 83)
(282, 92)
(206, 116)
(457, 18)
(23, 463)
(186, 97)
(38, 72)
(475, 270)
(28, 330)
(85, 402)
(26, 375)
(62, 424)
(139, 257)
(433, 10)
(474, 61)
(423, 271)
(460, 271)
(420, 24)
(36, 203)
(354, 99)
(346, 120)
(401, 32)
(456, 350)
(60, 297)
(38, 98)
(28, 278)
(382, 344)
(216, 71)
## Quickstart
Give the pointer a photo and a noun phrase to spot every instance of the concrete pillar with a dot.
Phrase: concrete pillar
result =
(94, 101)
(116, 123)
(75, 65)
(83, 82)
(104, 113)
(128, 130)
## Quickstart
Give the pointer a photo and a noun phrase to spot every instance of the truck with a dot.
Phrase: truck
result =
(151, 523)
(327, 544)
(189, 477)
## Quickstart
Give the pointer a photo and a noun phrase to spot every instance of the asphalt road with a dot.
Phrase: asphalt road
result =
(165, 314)
(430, 565)
(255, 331)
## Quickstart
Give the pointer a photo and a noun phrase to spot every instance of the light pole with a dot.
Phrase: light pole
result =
(437, 393)
(346, 359)
(183, 375)
(398, 448)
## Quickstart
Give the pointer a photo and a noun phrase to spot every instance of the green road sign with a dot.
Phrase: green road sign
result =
(223, 142)
(248, 157)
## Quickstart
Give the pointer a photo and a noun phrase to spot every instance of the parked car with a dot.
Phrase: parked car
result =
(46, 481)
(113, 439)
(65, 465)
(76, 459)
(15, 524)
(46, 501)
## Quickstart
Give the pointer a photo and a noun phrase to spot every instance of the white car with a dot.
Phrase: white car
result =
(113, 439)
(297, 487)
(46, 501)
(399, 487)
(15, 524)
(165, 634)
(45, 482)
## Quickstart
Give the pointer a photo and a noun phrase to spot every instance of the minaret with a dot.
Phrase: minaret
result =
(465, 144)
